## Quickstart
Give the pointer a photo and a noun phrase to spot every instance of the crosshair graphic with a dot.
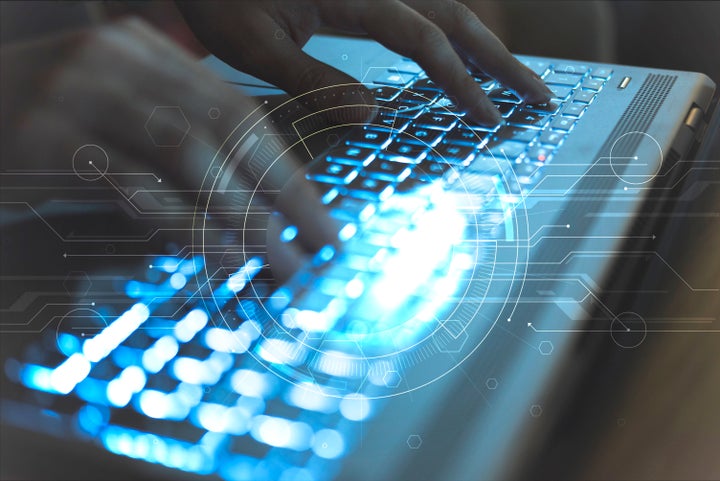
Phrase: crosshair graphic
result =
(435, 326)
(90, 162)
(628, 330)
(636, 169)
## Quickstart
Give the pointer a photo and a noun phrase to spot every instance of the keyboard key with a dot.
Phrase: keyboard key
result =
(539, 154)
(505, 109)
(387, 170)
(545, 108)
(573, 110)
(584, 96)
(529, 119)
(519, 134)
(451, 154)
(436, 121)
(445, 104)
(351, 209)
(579, 70)
(466, 137)
(351, 155)
(401, 151)
(407, 66)
(417, 98)
(425, 84)
(562, 123)
(331, 172)
(593, 84)
(538, 67)
(550, 137)
(370, 137)
(401, 108)
(385, 94)
(394, 78)
(602, 73)
(370, 189)
(504, 95)
(393, 121)
(560, 92)
(509, 149)
(422, 136)
(570, 80)
(429, 170)
(527, 173)
(488, 165)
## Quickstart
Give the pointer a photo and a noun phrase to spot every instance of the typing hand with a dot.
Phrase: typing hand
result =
(264, 38)
(101, 86)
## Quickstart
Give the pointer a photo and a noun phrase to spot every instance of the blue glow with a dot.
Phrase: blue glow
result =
(159, 405)
(347, 232)
(223, 340)
(91, 419)
(67, 375)
(68, 344)
(252, 383)
(156, 449)
(167, 264)
(188, 326)
(245, 274)
(289, 233)
(280, 299)
(355, 407)
(311, 396)
(325, 254)
(92, 390)
(279, 351)
(37, 377)
(354, 288)
(159, 353)
(98, 347)
(297, 474)
(328, 444)
(178, 281)
(191, 266)
(282, 433)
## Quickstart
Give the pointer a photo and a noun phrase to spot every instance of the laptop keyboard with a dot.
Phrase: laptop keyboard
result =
(179, 376)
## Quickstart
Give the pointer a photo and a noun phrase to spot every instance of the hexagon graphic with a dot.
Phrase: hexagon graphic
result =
(77, 283)
(167, 126)
(546, 348)
(414, 441)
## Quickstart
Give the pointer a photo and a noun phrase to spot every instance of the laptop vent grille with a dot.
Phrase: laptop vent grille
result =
(640, 113)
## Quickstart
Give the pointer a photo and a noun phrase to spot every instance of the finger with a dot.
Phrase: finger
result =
(402, 29)
(483, 49)
(277, 59)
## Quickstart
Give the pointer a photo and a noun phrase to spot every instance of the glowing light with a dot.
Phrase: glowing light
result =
(328, 444)
(355, 407)
(311, 397)
(354, 288)
(347, 232)
(159, 353)
(108, 339)
(178, 281)
(223, 340)
(279, 351)
(37, 377)
(68, 374)
(251, 383)
(245, 274)
(188, 326)
(281, 433)
(68, 344)
(289, 233)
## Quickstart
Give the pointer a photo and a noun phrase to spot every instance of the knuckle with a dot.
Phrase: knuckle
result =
(429, 36)
(312, 78)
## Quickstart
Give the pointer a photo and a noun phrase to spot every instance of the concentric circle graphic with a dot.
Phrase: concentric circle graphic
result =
(453, 260)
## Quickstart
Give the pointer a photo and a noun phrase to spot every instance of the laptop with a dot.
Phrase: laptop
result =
(440, 339)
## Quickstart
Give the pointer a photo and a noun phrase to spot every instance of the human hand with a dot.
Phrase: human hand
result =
(443, 36)
(101, 86)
